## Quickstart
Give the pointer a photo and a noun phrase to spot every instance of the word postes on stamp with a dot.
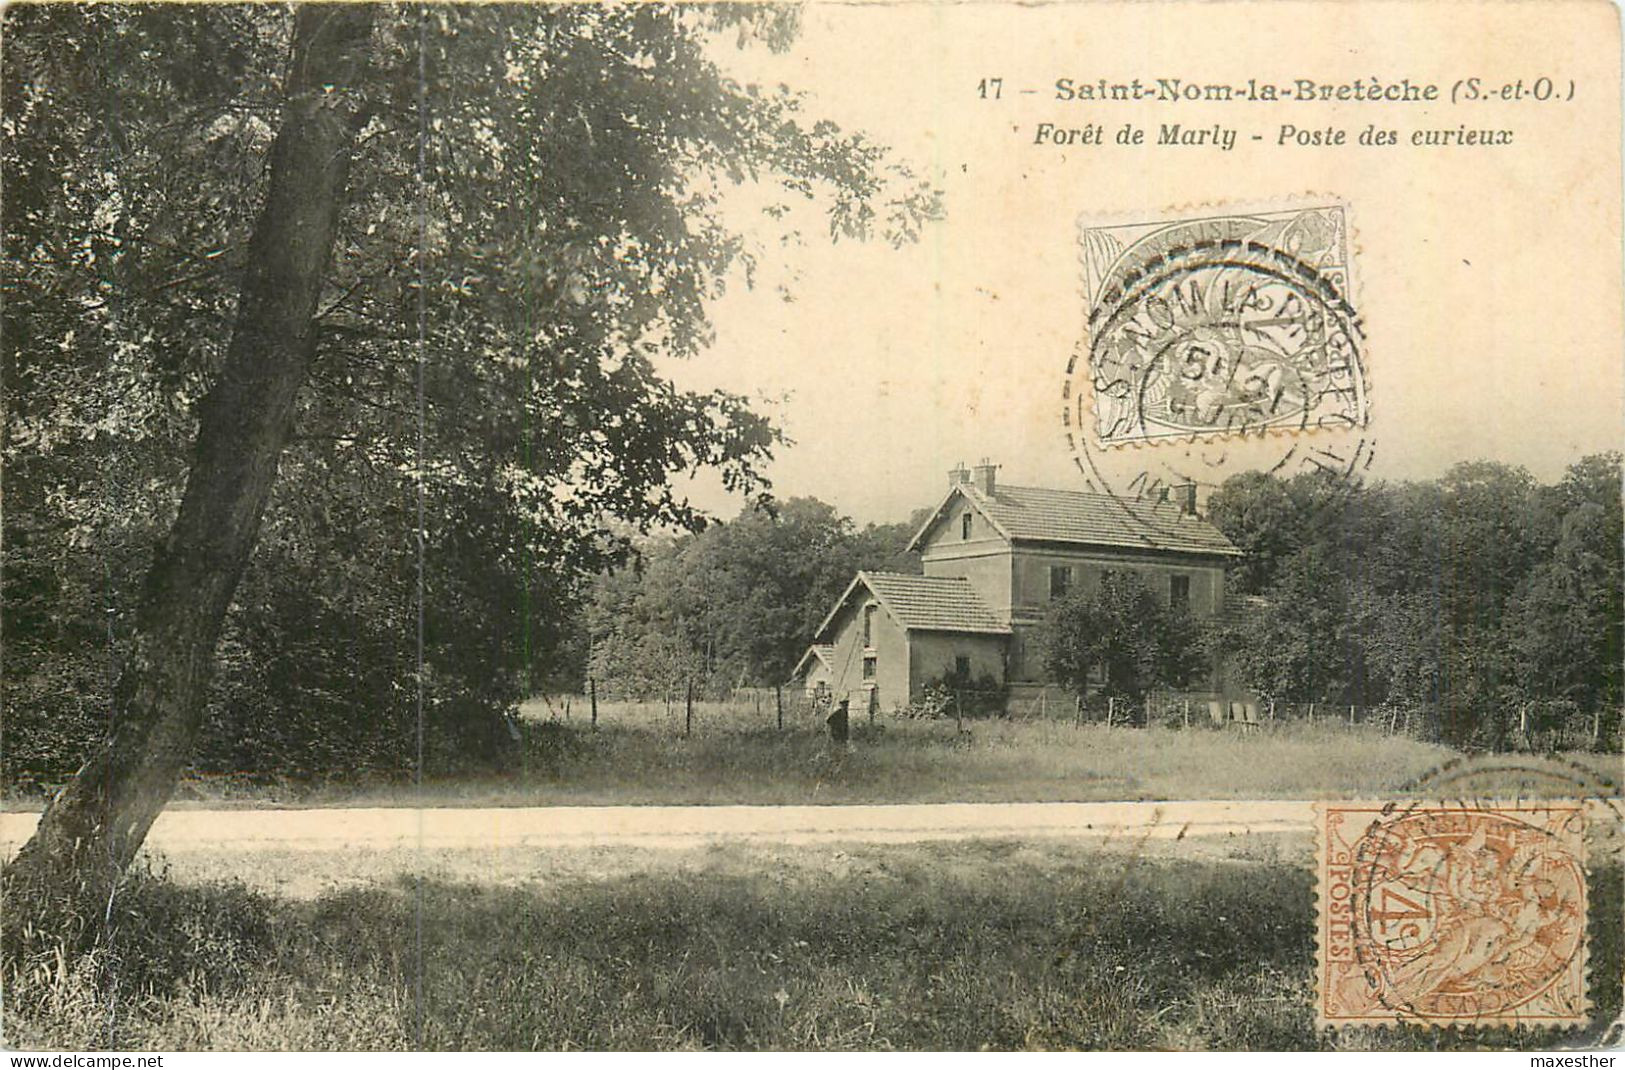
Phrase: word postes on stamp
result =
(1453, 914)
(1220, 326)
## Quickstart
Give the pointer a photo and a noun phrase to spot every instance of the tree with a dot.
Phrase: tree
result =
(743, 598)
(531, 214)
(92, 830)
(1302, 646)
(1474, 596)
(1122, 634)
(1564, 625)
(1270, 520)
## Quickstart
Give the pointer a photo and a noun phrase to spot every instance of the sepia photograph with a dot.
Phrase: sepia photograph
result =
(914, 525)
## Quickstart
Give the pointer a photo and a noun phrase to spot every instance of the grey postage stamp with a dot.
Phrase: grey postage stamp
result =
(1218, 325)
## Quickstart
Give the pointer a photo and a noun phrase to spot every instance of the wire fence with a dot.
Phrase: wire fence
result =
(684, 710)
(1528, 726)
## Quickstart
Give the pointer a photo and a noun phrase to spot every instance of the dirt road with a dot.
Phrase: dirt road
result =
(189, 831)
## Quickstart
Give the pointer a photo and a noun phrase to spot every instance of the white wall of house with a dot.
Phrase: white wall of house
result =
(886, 655)
(983, 558)
(933, 655)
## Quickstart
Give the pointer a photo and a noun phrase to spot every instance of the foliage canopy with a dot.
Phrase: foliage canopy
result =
(535, 219)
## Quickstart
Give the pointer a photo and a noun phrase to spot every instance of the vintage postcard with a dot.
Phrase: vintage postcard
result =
(890, 526)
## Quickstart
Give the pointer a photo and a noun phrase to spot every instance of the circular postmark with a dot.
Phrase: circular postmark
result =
(1221, 336)
(1466, 900)
(1217, 345)
(1472, 914)
(1521, 776)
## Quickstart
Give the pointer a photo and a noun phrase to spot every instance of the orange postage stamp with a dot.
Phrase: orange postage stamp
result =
(1451, 914)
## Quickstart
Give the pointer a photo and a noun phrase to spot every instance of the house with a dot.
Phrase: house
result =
(994, 557)
(815, 671)
(892, 634)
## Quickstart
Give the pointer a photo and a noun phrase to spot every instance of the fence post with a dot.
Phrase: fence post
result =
(688, 709)
(1523, 719)
(1185, 712)
(1077, 711)
(1596, 726)
(592, 694)
(1272, 710)
(1043, 703)
(1111, 709)
(1351, 713)
(1311, 713)
(778, 702)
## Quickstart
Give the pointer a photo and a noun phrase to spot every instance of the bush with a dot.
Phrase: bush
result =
(958, 695)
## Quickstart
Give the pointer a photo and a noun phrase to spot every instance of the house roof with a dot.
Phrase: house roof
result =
(1038, 514)
(822, 652)
(925, 603)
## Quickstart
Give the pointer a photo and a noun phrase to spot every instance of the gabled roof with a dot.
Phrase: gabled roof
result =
(823, 652)
(1037, 514)
(924, 603)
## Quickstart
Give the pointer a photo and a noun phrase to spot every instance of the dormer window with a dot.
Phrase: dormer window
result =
(964, 525)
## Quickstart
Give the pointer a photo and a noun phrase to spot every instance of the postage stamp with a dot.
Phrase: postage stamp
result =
(1451, 914)
(1219, 326)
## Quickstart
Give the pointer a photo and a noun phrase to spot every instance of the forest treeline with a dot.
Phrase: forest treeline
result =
(1484, 598)
(1481, 599)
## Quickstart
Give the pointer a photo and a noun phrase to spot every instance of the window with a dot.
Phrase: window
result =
(962, 667)
(868, 626)
(1060, 580)
(868, 666)
(964, 525)
(1179, 592)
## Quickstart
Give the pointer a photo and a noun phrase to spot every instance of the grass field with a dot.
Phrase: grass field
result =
(639, 755)
(956, 946)
(736, 754)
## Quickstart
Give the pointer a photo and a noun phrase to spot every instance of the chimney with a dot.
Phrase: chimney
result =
(958, 474)
(982, 477)
(1185, 495)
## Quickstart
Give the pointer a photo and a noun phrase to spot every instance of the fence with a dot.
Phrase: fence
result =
(1530, 727)
(683, 711)
(1205, 710)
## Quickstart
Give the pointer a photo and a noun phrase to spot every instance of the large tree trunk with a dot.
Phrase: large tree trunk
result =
(93, 829)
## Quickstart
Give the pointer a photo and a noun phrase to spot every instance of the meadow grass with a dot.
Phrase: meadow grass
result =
(987, 944)
(737, 755)
(898, 761)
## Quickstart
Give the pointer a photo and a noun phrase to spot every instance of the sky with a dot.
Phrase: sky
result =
(1488, 279)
